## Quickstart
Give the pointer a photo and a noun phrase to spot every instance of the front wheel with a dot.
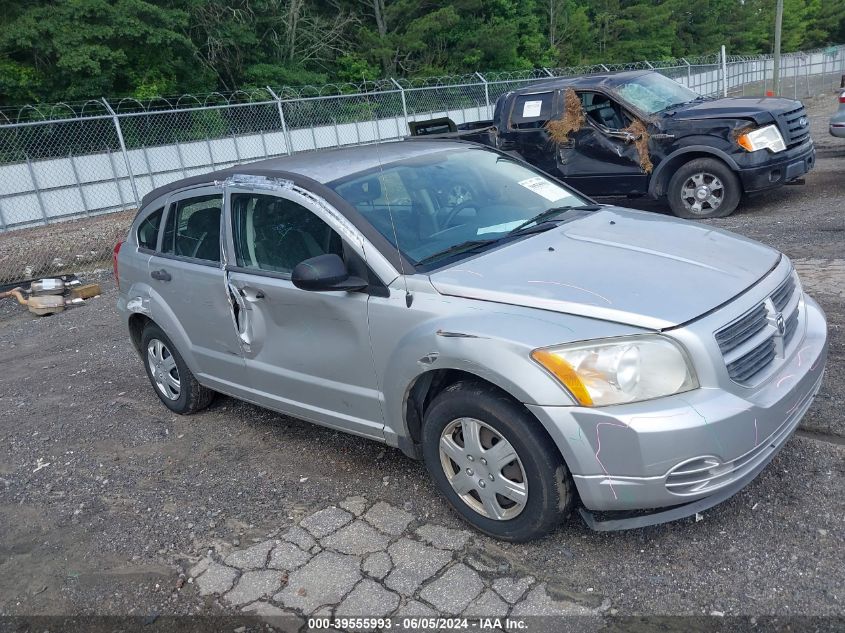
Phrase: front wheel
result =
(704, 188)
(494, 463)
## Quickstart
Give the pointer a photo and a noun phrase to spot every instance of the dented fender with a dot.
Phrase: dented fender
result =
(488, 340)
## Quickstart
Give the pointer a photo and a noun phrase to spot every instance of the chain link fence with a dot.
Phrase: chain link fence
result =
(71, 175)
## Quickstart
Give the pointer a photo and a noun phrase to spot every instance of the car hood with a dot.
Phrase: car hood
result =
(760, 109)
(615, 264)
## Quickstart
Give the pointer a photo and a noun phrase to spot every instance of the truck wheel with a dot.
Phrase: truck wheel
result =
(170, 377)
(704, 188)
(494, 464)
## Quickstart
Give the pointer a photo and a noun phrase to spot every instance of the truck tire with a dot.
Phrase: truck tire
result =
(169, 376)
(494, 463)
(704, 188)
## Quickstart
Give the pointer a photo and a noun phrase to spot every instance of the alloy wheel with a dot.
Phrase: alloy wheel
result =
(702, 193)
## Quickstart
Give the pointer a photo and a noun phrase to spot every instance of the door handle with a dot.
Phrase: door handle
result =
(161, 275)
(251, 294)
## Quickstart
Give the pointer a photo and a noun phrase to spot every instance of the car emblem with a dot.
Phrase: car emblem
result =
(780, 323)
(802, 121)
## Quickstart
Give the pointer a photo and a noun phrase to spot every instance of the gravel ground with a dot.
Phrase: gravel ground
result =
(108, 501)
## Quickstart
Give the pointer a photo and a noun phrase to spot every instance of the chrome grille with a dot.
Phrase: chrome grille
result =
(750, 343)
(783, 294)
(746, 326)
(791, 326)
(747, 366)
(790, 126)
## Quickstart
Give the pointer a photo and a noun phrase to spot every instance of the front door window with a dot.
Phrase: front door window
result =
(274, 234)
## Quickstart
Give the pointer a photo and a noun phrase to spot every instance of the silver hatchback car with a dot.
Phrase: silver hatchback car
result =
(534, 348)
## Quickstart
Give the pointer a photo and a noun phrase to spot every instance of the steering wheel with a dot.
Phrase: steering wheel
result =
(457, 209)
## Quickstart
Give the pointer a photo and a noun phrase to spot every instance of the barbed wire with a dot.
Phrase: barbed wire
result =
(65, 110)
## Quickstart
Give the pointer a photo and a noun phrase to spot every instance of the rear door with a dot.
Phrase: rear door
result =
(307, 353)
(601, 158)
(187, 274)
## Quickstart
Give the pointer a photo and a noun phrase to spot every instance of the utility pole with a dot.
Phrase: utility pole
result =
(778, 27)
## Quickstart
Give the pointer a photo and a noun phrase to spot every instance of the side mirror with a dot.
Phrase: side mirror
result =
(325, 272)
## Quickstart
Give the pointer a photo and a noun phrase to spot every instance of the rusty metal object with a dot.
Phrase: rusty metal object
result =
(50, 286)
(86, 291)
(17, 293)
(45, 296)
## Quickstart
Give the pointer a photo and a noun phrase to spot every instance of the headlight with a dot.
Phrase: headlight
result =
(619, 370)
(768, 137)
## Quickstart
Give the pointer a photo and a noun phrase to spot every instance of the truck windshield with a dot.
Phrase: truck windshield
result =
(434, 204)
(653, 92)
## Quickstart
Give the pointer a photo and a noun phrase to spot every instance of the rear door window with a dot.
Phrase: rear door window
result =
(193, 228)
(148, 230)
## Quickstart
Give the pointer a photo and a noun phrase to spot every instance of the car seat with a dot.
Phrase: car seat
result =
(201, 238)
(280, 243)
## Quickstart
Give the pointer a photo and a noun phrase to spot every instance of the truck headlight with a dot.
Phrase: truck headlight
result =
(619, 370)
(767, 137)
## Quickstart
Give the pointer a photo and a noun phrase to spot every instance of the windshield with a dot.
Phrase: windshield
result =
(443, 200)
(653, 92)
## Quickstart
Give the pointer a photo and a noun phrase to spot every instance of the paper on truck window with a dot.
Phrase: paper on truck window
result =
(531, 109)
(542, 187)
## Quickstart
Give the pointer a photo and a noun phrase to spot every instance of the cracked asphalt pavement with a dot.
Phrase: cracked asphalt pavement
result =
(110, 504)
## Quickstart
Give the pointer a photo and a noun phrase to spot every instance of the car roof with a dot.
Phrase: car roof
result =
(584, 81)
(323, 166)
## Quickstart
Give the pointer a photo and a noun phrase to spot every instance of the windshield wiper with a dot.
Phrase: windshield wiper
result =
(539, 221)
(548, 214)
(463, 247)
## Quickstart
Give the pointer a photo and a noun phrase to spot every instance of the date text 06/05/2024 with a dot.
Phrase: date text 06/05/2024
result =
(417, 623)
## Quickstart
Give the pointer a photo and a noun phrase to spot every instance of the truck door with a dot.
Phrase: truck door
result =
(600, 158)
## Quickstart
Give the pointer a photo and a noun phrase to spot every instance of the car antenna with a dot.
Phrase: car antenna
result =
(409, 298)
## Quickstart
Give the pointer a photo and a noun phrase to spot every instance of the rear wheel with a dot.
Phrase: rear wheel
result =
(170, 377)
(494, 463)
(704, 188)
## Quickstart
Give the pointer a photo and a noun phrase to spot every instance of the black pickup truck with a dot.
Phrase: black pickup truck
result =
(640, 133)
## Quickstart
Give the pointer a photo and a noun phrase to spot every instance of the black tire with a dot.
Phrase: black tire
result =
(708, 168)
(192, 396)
(550, 490)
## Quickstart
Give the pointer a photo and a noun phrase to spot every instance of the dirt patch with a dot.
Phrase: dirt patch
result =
(573, 119)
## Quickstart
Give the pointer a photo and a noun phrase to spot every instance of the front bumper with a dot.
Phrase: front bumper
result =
(778, 169)
(690, 447)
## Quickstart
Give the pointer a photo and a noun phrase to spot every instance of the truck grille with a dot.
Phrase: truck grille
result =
(790, 126)
(750, 343)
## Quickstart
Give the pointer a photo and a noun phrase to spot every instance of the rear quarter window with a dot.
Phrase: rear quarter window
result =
(148, 230)
(532, 111)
